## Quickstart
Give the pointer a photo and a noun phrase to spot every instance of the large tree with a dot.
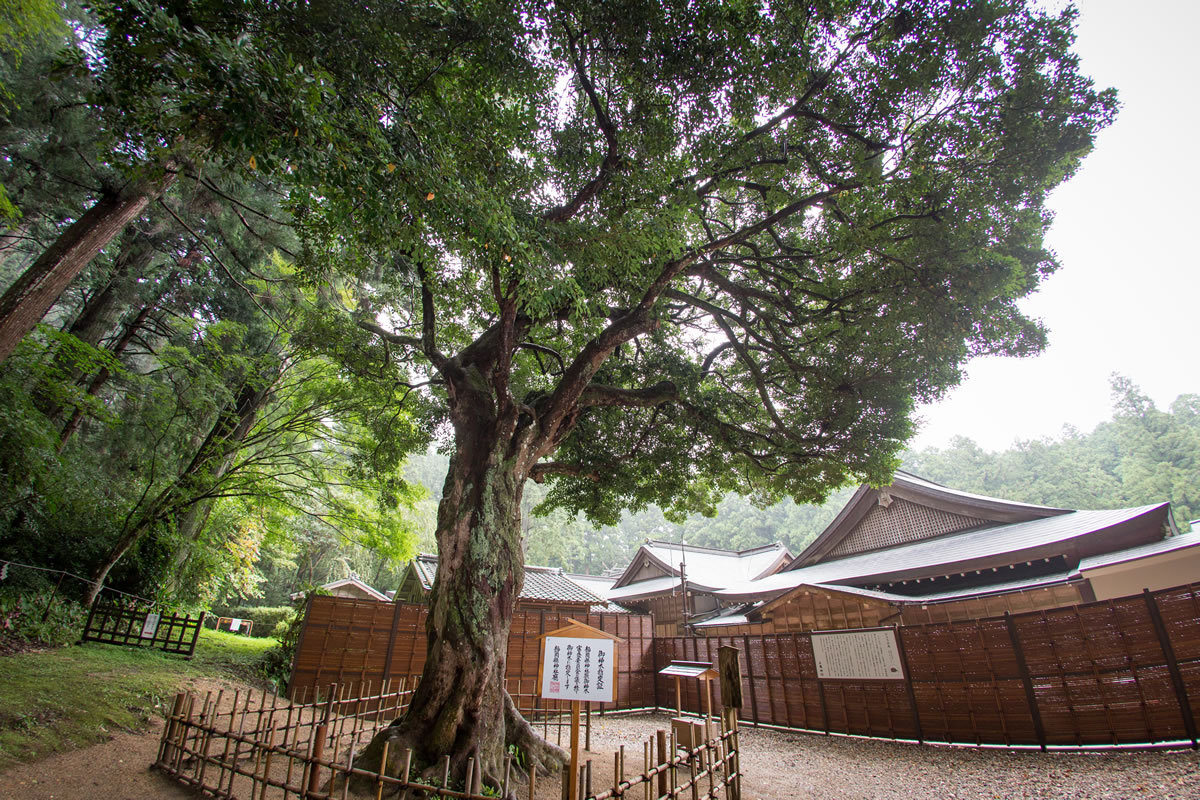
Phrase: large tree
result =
(713, 247)
(650, 252)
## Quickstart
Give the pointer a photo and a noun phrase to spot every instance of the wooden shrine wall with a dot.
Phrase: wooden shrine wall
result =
(361, 643)
(1122, 671)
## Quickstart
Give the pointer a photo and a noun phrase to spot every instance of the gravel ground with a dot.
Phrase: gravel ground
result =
(779, 765)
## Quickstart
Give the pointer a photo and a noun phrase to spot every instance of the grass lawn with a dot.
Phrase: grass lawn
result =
(75, 696)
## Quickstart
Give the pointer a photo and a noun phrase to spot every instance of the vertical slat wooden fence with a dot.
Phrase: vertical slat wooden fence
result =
(1098, 674)
(351, 642)
(1113, 672)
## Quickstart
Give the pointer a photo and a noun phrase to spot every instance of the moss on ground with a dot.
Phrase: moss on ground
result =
(68, 697)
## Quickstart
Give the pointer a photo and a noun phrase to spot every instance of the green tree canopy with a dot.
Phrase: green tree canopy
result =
(649, 252)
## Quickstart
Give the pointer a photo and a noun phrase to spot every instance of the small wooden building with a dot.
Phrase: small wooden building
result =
(545, 589)
(352, 587)
(676, 582)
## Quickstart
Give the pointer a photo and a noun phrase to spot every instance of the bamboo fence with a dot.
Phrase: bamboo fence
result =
(263, 746)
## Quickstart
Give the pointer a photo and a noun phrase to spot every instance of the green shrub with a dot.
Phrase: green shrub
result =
(265, 618)
(277, 662)
(33, 617)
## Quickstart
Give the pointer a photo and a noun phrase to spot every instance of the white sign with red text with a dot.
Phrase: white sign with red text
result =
(578, 669)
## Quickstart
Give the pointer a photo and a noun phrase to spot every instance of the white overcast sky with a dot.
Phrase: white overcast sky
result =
(1127, 295)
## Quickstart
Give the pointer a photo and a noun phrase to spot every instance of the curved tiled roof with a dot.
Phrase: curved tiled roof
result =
(707, 567)
(950, 553)
(541, 583)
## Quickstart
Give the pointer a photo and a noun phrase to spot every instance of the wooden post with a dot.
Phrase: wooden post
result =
(731, 700)
(1023, 668)
(908, 683)
(1164, 639)
(574, 750)
(391, 645)
(731, 677)
(662, 759)
(53, 594)
(707, 710)
(750, 671)
(164, 747)
(678, 698)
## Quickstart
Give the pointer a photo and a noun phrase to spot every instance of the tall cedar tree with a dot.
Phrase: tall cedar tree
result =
(650, 251)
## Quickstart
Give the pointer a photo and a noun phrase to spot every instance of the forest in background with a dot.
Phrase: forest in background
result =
(180, 425)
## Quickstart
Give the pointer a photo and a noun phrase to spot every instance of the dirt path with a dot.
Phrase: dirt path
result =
(118, 769)
(778, 766)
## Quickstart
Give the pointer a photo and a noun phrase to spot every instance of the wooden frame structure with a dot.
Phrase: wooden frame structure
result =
(134, 626)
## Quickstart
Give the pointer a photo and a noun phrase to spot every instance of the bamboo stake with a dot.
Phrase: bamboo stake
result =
(661, 759)
(671, 759)
(349, 765)
(692, 763)
(258, 754)
(184, 729)
(306, 769)
(646, 762)
(168, 729)
(287, 781)
(224, 763)
(507, 773)
(210, 726)
(382, 769)
(267, 763)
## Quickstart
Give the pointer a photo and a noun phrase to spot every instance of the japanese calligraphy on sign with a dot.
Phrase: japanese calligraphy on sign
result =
(578, 669)
(865, 655)
(150, 626)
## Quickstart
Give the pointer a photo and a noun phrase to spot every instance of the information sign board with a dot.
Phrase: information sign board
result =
(578, 669)
(150, 626)
(864, 654)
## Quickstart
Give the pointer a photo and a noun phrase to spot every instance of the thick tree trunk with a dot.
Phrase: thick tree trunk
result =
(233, 428)
(461, 707)
(32, 295)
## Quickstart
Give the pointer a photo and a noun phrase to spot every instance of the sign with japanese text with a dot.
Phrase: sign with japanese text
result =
(150, 626)
(578, 669)
(865, 655)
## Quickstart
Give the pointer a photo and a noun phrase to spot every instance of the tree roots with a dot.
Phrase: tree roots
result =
(539, 754)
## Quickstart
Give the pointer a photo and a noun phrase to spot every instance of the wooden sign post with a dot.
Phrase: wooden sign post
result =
(579, 664)
(686, 729)
(731, 700)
